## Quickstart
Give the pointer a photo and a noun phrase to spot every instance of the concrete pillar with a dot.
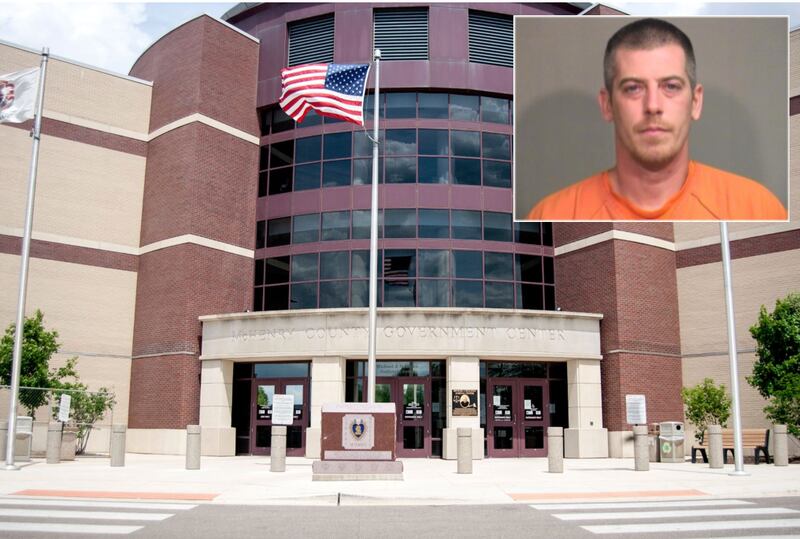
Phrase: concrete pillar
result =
(277, 459)
(3, 439)
(714, 433)
(641, 448)
(464, 450)
(216, 398)
(585, 437)
(780, 445)
(327, 385)
(192, 447)
(54, 442)
(463, 373)
(118, 445)
(555, 449)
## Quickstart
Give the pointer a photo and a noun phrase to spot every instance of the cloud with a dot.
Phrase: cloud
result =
(104, 35)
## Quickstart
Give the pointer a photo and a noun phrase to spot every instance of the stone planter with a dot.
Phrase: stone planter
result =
(68, 443)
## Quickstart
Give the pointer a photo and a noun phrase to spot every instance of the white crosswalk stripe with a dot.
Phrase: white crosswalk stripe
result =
(54, 515)
(695, 516)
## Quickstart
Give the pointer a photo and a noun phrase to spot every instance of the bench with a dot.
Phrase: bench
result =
(755, 439)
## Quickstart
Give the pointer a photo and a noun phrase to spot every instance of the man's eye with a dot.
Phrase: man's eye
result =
(631, 89)
(673, 87)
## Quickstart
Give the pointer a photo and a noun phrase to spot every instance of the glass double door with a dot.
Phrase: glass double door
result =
(264, 391)
(412, 397)
(517, 417)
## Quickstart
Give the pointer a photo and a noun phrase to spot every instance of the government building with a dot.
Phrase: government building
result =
(200, 252)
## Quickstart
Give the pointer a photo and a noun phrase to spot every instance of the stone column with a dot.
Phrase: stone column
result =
(463, 372)
(641, 448)
(555, 449)
(54, 442)
(327, 385)
(118, 445)
(193, 444)
(464, 450)
(277, 451)
(216, 398)
(586, 437)
(714, 433)
(781, 450)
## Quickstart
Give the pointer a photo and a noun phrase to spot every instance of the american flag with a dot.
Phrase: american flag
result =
(335, 90)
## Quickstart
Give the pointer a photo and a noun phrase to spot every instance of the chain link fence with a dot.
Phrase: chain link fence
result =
(90, 418)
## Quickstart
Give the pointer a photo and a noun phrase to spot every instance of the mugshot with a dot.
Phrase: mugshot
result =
(674, 118)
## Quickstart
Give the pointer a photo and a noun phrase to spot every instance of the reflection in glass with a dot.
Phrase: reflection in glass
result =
(399, 293)
(496, 174)
(497, 226)
(496, 146)
(468, 293)
(336, 225)
(333, 294)
(306, 177)
(499, 295)
(534, 437)
(432, 105)
(334, 265)
(362, 145)
(434, 293)
(434, 223)
(401, 170)
(359, 294)
(467, 171)
(466, 224)
(464, 107)
(413, 437)
(337, 145)
(281, 370)
(401, 105)
(434, 263)
(400, 223)
(527, 233)
(309, 149)
(498, 266)
(401, 142)
(383, 392)
(305, 228)
(336, 173)
(529, 268)
(494, 109)
(433, 142)
(434, 170)
(359, 266)
(465, 143)
(304, 267)
(468, 264)
(304, 296)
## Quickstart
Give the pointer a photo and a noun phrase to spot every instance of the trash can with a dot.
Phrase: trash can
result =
(652, 439)
(671, 439)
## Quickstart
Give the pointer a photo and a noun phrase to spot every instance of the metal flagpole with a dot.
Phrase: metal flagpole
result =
(737, 419)
(373, 239)
(23, 272)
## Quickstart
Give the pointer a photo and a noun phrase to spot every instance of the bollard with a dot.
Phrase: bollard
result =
(277, 459)
(118, 445)
(714, 433)
(3, 439)
(192, 447)
(555, 449)
(54, 442)
(781, 445)
(464, 448)
(641, 448)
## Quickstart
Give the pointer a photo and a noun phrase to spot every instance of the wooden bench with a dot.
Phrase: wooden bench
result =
(755, 439)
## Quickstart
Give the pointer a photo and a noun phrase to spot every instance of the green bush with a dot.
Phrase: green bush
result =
(706, 404)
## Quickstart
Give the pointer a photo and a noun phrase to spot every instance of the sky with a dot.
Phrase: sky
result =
(112, 35)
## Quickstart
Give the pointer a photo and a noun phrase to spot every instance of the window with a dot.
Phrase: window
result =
(311, 41)
(305, 228)
(401, 104)
(465, 143)
(304, 296)
(334, 265)
(434, 170)
(496, 146)
(401, 34)
(466, 225)
(495, 110)
(496, 226)
(277, 270)
(401, 141)
(491, 39)
(333, 294)
(434, 224)
(467, 171)
(433, 106)
(433, 142)
(336, 173)
(336, 225)
(261, 234)
(280, 181)
(529, 268)
(338, 145)
(278, 232)
(496, 173)
(304, 267)
(400, 223)
(401, 169)
(468, 264)
(434, 263)
(498, 266)
(468, 293)
(309, 149)
(464, 108)
(306, 177)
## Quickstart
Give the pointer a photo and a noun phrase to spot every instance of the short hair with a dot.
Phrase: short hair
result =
(647, 34)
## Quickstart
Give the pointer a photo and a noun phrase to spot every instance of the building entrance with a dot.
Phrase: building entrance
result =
(516, 419)
(264, 391)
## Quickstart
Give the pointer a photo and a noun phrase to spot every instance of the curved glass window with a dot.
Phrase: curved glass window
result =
(496, 226)
(434, 223)
(465, 143)
(336, 173)
(468, 293)
(467, 171)
(400, 223)
(336, 225)
(362, 145)
(498, 266)
(434, 293)
(338, 145)
(304, 296)
(334, 265)
(333, 294)
(276, 297)
(495, 109)
(528, 268)
(361, 224)
(278, 232)
(499, 295)
(434, 170)
(434, 142)
(399, 264)
(306, 177)
(401, 141)
(434, 263)
(309, 149)
(305, 228)
(281, 154)
(277, 270)
(496, 173)
(496, 146)
(359, 294)
(305, 267)
(468, 264)
(466, 224)
(280, 181)
(433, 105)
(464, 107)
(401, 169)
(401, 105)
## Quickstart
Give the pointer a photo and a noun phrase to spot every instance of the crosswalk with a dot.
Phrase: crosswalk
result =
(695, 518)
(58, 516)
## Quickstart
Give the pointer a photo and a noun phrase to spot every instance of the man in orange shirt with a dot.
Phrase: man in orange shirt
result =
(651, 95)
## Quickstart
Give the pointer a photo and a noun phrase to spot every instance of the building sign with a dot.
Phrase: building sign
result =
(532, 412)
(358, 431)
(63, 407)
(412, 410)
(465, 402)
(283, 412)
(635, 410)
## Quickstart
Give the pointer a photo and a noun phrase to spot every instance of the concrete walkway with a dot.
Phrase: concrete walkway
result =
(247, 480)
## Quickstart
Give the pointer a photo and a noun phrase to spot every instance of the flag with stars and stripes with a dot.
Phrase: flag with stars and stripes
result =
(335, 90)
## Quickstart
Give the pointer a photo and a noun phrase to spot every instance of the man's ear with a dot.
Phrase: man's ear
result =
(604, 101)
(697, 101)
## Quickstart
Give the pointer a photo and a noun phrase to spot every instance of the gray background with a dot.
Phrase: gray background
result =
(561, 138)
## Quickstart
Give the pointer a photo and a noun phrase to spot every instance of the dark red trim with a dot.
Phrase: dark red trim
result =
(759, 245)
(86, 256)
(87, 135)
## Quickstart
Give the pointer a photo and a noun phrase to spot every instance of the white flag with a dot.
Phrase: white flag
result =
(18, 95)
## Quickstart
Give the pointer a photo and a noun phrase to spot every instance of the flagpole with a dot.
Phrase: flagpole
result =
(23, 272)
(373, 239)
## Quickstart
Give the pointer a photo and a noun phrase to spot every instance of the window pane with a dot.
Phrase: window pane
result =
(334, 265)
(304, 296)
(547, 234)
(464, 107)
(468, 264)
(259, 272)
(306, 177)
(304, 267)
(434, 224)
(527, 233)
(277, 270)
(432, 105)
(434, 293)
(336, 173)
(361, 224)
(401, 170)
(336, 225)
(549, 272)
(467, 171)
(465, 143)
(497, 226)
(434, 170)
(278, 231)
(276, 298)
(550, 298)
(334, 294)
(261, 234)
(258, 299)
(401, 141)
(401, 105)
(496, 146)
(338, 145)
(399, 264)
(500, 295)
(362, 171)
(362, 146)
(399, 293)
(262, 183)
(281, 153)
(496, 174)
(434, 263)
(434, 142)
(494, 109)
(468, 293)
(529, 268)
(280, 180)
(281, 122)
(312, 118)
(308, 149)
(305, 228)
(400, 223)
(359, 294)
(263, 157)
(466, 224)
(281, 370)
(529, 296)
(498, 266)
(360, 264)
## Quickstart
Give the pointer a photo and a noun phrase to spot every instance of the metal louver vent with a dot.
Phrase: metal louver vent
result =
(311, 41)
(401, 34)
(491, 39)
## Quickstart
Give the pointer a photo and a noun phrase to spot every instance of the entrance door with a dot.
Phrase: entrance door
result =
(412, 398)
(516, 418)
(264, 391)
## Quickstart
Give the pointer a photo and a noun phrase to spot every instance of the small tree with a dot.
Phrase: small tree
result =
(86, 408)
(776, 372)
(706, 404)
(38, 346)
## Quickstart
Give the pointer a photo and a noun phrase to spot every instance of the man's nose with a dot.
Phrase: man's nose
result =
(653, 103)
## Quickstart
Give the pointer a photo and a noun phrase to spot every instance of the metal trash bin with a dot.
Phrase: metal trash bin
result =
(653, 443)
(671, 440)
(24, 438)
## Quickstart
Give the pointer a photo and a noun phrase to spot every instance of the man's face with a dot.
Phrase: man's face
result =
(652, 105)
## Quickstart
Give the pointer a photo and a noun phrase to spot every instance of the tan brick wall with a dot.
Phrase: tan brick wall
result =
(794, 64)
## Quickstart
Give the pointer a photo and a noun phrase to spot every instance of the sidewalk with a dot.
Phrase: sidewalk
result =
(247, 480)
